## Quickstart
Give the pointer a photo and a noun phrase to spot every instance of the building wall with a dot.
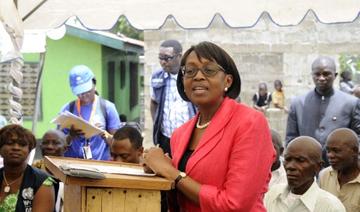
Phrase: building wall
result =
(264, 52)
(61, 56)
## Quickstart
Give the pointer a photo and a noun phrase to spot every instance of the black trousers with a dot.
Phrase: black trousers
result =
(164, 143)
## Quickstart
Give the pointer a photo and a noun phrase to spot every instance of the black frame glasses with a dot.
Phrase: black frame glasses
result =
(167, 58)
(209, 70)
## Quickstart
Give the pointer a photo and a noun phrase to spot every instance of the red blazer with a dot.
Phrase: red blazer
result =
(232, 161)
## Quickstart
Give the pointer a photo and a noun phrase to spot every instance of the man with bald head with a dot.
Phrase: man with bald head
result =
(52, 144)
(324, 108)
(302, 162)
(342, 178)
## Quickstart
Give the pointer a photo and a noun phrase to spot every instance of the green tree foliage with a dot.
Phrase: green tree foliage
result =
(350, 62)
(123, 26)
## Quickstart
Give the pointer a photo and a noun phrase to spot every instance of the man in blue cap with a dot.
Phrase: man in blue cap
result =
(95, 110)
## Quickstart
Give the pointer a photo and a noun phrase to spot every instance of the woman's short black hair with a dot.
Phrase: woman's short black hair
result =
(212, 52)
(11, 130)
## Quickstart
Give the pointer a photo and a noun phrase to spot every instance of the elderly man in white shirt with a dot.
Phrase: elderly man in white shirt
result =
(302, 162)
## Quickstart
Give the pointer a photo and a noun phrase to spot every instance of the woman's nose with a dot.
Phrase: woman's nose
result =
(16, 146)
(199, 74)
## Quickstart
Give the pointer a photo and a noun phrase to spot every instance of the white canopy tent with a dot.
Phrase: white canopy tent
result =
(151, 14)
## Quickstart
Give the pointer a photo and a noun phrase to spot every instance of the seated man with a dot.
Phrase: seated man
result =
(302, 162)
(127, 145)
(52, 144)
(342, 178)
(262, 98)
(278, 174)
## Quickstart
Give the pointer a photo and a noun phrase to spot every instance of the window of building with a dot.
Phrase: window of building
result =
(134, 91)
(122, 74)
(111, 81)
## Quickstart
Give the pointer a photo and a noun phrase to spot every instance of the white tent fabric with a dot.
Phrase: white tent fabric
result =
(34, 41)
(11, 23)
(151, 14)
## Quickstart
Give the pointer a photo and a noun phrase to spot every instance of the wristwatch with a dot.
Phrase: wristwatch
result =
(179, 177)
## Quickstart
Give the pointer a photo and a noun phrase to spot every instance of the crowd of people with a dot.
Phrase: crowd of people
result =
(220, 154)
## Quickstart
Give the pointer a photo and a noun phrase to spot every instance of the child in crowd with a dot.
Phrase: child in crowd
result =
(127, 145)
(278, 96)
(262, 99)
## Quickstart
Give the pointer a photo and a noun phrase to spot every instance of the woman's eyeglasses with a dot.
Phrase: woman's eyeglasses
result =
(208, 70)
(166, 58)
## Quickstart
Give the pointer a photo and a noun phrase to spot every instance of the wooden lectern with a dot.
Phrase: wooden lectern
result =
(117, 192)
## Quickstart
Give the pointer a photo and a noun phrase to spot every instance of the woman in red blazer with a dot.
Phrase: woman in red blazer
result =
(222, 157)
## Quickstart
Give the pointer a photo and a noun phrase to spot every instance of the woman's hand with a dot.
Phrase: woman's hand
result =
(159, 163)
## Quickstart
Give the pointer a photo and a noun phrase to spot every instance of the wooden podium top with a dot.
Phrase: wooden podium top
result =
(111, 180)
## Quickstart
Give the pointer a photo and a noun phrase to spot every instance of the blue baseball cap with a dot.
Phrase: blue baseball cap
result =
(80, 78)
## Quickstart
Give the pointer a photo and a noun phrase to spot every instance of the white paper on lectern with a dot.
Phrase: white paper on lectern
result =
(66, 119)
(110, 169)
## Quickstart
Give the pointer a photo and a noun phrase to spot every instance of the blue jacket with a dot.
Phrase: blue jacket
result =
(158, 83)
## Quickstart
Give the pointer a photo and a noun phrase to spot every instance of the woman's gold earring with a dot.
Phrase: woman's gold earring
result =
(226, 89)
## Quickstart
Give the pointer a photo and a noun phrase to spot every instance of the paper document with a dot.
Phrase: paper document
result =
(110, 169)
(76, 172)
(66, 119)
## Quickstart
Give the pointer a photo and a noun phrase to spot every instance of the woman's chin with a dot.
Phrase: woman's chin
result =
(199, 100)
(14, 162)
